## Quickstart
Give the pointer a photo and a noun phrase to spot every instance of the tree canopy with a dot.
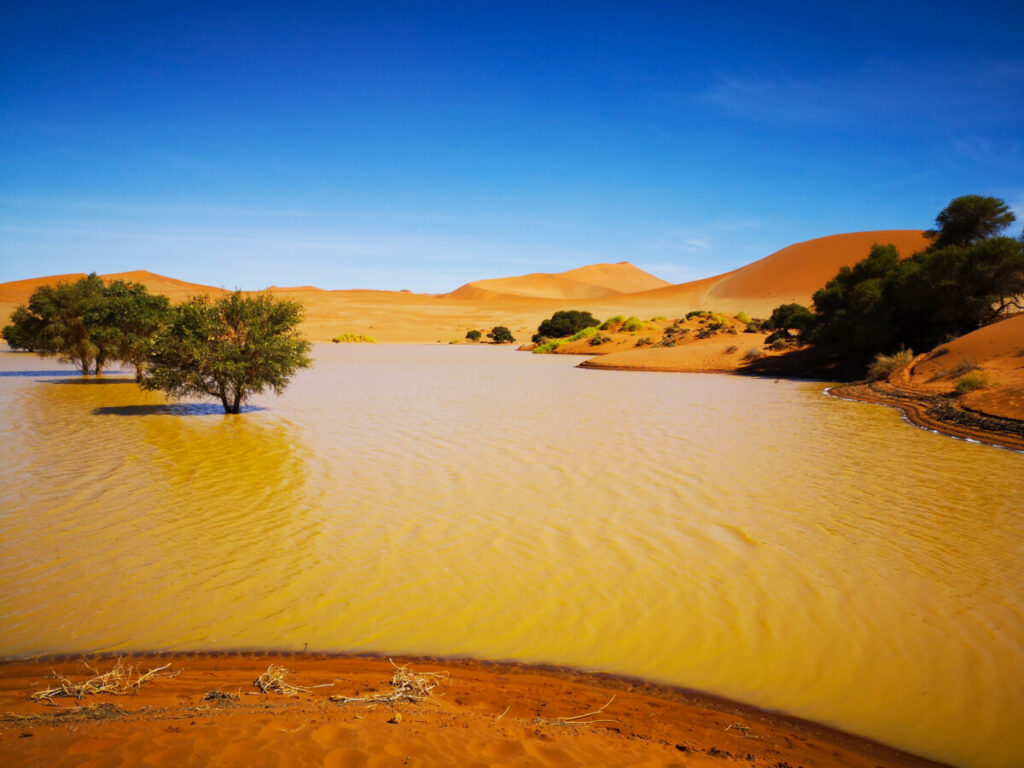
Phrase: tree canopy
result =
(499, 334)
(967, 277)
(231, 349)
(88, 322)
(565, 323)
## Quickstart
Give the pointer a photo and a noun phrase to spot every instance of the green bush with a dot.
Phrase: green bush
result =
(353, 338)
(499, 334)
(586, 333)
(565, 323)
(547, 346)
(752, 354)
(743, 317)
(632, 325)
(972, 381)
(596, 341)
(474, 335)
(884, 365)
(659, 318)
(612, 321)
(643, 341)
(697, 313)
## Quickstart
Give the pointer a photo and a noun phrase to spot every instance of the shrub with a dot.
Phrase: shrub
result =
(565, 323)
(474, 335)
(643, 341)
(697, 313)
(598, 340)
(499, 334)
(548, 346)
(632, 325)
(659, 319)
(743, 317)
(752, 327)
(612, 321)
(752, 354)
(972, 381)
(777, 345)
(353, 338)
(886, 364)
(730, 349)
(586, 333)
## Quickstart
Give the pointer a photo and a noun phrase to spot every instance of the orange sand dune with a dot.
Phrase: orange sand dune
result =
(589, 282)
(790, 275)
(521, 303)
(480, 715)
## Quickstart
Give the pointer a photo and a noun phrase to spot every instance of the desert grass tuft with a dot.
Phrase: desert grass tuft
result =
(884, 365)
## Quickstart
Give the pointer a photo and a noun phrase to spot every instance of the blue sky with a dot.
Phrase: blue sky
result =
(423, 145)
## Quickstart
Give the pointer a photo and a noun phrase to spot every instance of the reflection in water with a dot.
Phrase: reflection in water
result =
(755, 539)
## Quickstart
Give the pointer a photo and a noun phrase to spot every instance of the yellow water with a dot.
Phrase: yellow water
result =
(751, 538)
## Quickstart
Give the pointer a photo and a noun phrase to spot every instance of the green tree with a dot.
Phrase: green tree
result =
(59, 322)
(127, 322)
(230, 349)
(474, 335)
(565, 323)
(968, 219)
(499, 334)
(24, 330)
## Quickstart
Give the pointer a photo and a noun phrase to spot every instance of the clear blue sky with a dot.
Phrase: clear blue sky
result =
(423, 145)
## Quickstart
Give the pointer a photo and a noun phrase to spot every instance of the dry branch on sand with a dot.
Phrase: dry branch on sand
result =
(581, 719)
(274, 679)
(89, 712)
(121, 680)
(406, 686)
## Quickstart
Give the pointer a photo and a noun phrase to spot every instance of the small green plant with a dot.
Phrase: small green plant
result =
(752, 327)
(643, 341)
(353, 338)
(743, 317)
(632, 325)
(777, 345)
(884, 365)
(547, 347)
(971, 381)
(474, 335)
(586, 333)
(696, 313)
(659, 319)
(596, 341)
(611, 322)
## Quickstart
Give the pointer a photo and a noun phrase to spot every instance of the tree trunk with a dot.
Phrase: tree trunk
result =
(236, 406)
(99, 367)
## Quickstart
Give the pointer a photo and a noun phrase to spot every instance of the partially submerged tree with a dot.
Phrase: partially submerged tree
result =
(230, 349)
(59, 322)
(127, 322)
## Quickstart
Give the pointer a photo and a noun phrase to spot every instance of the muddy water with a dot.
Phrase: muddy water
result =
(752, 538)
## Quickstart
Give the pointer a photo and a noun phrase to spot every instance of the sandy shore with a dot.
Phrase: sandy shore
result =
(481, 714)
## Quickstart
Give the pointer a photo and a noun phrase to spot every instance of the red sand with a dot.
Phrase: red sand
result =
(482, 715)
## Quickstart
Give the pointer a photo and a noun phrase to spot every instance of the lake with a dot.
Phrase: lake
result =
(752, 538)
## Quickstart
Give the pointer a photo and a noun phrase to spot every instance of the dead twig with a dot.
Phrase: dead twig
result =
(121, 680)
(579, 719)
(406, 685)
(275, 679)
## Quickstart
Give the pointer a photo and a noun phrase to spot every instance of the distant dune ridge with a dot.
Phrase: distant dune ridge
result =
(520, 303)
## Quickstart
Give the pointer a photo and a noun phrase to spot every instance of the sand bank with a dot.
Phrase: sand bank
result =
(483, 714)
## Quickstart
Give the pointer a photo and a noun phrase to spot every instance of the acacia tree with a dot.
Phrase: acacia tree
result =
(127, 322)
(230, 349)
(60, 322)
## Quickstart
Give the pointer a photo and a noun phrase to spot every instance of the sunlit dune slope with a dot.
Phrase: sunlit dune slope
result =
(589, 282)
(797, 271)
(997, 351)
(521, 303)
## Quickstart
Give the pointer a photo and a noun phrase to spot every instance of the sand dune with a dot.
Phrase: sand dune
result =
(521, 303)
(589, 282)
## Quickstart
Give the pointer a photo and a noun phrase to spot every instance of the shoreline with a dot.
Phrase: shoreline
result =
(937, 414)
(484, 712)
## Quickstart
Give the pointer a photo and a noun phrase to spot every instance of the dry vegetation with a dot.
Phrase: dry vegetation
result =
(406, 685)
(121, 680)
